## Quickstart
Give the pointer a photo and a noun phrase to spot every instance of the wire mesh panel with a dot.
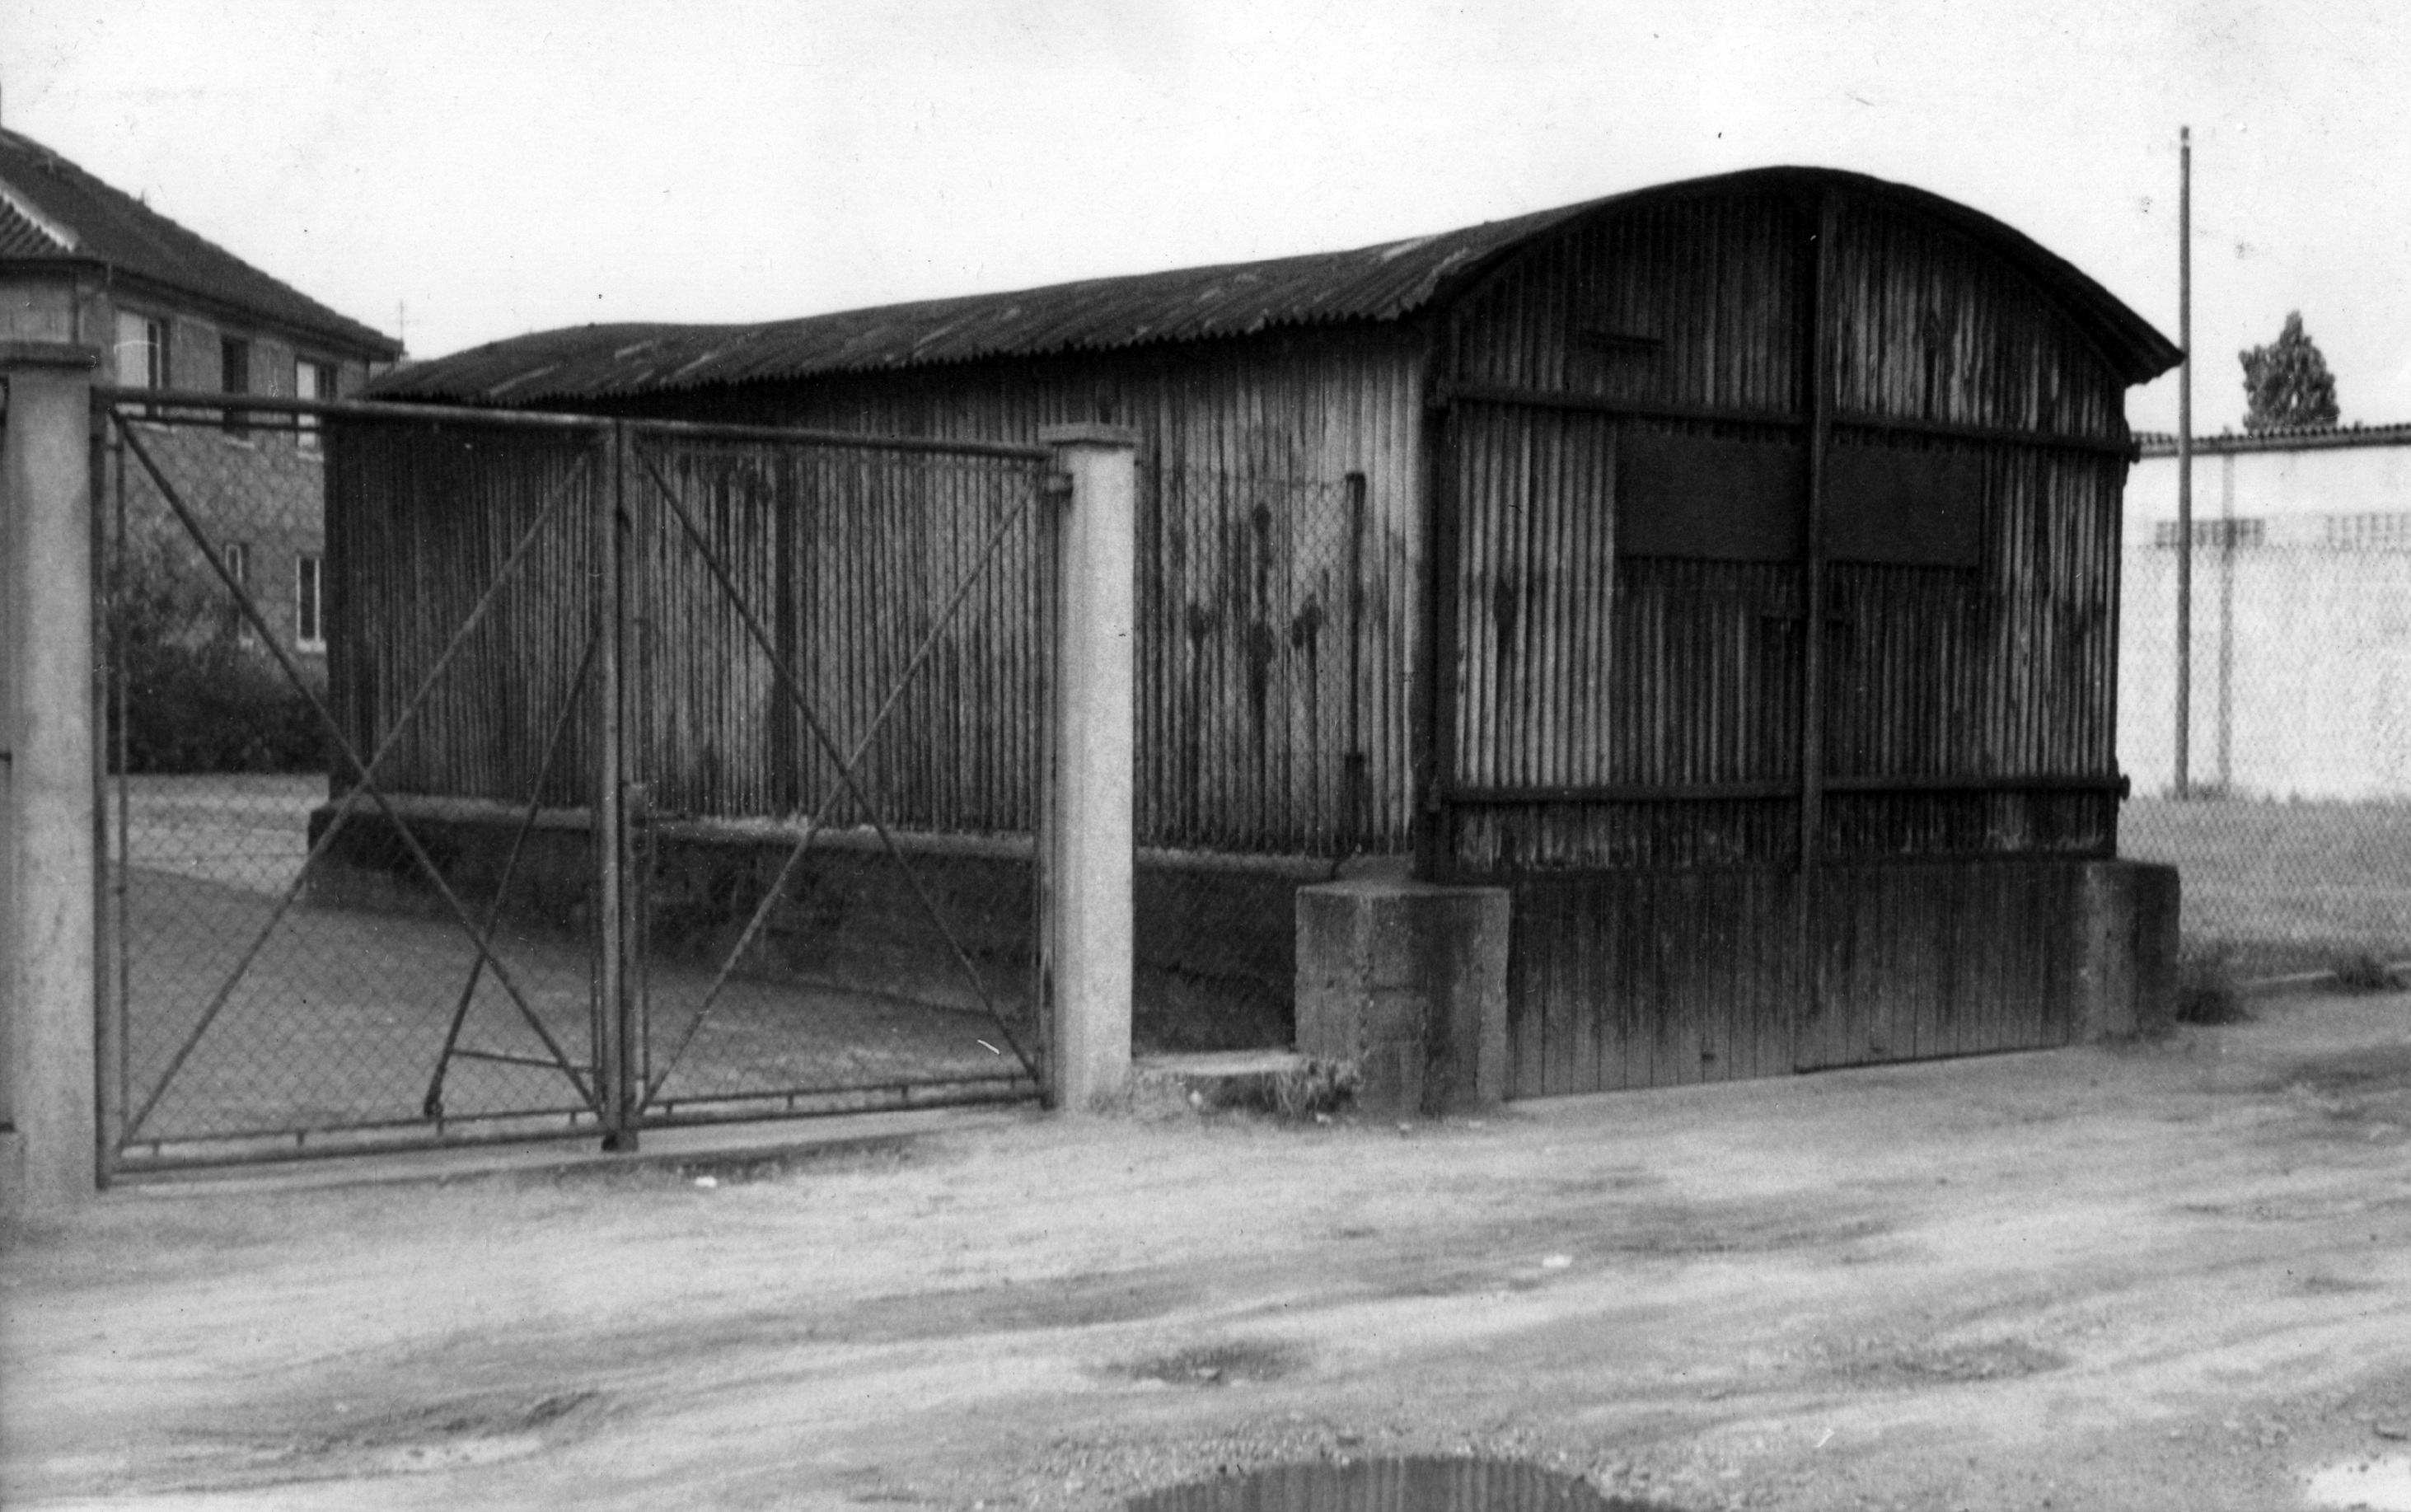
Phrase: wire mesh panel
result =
(311, 947)
(1272, 698)
(2292, 832)
(837, 675)
(1271, 742)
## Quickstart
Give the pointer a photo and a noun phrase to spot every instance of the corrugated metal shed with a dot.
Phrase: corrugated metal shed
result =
(1379, 284)
(112, 229)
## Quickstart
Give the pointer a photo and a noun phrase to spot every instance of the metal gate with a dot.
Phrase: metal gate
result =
(837, 678)
(474, 777)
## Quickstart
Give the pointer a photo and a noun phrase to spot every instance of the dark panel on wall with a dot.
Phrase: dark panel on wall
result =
(1915, 508)
(1711, 498)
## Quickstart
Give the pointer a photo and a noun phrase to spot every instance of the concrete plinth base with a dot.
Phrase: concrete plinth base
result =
(2127, 973)
(1409, 982)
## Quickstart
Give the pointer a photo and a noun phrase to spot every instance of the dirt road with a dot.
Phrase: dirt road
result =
(2174, 1275)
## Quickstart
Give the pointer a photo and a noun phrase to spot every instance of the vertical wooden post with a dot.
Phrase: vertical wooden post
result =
(1091, 910)
(612, 1040)
(109, 945)
(1432, 712)
(2184, 460)
(1054, 498)
(2226, 733)
(1807, 999)
(1352, 794)
(49, 929)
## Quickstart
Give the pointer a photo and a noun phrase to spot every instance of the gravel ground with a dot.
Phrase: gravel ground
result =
(2169, 1275)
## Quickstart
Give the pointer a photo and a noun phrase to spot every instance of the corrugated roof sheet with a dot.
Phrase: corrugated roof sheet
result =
(113, 227)
(1381, 282)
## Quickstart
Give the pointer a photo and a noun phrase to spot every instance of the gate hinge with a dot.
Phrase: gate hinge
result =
(1056, 486)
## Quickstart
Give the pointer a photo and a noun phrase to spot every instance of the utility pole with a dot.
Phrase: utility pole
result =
(2184, 455)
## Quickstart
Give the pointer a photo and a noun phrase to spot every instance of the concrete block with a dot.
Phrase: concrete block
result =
(1409, 982)
(2127, 948)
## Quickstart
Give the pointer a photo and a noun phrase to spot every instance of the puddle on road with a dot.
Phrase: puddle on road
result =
(2381, 1485)
(1411, 1485)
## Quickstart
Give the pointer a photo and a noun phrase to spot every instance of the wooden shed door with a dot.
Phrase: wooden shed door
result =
(1592, 703)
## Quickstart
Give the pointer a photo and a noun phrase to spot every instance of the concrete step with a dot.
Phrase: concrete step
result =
(1280, 1082)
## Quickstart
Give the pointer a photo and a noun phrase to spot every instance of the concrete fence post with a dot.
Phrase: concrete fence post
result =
(48, 854)
(1090, 918)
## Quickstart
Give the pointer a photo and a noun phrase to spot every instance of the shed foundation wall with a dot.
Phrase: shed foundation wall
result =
(1661, 979)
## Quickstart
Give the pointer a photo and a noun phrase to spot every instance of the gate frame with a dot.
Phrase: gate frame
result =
(55, 1149)
(641, 478)
(113, 408)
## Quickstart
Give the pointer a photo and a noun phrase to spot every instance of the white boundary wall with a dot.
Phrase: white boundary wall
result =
(2302, 631)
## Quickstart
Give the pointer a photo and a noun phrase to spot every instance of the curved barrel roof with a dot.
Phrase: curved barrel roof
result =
(1386, 283)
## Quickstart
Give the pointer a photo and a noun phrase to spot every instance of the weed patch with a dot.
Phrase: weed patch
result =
(2363, 972)
(2207, 992)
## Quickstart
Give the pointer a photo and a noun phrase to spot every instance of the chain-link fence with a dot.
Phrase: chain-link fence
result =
(1272, 733)
(245, 1010)
(838, 668)
(485, 776)
(2293, 831)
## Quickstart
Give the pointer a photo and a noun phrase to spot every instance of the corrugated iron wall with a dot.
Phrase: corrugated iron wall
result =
(854, 561)
(1623, 731)
(1280, 547)
(1694, 301)
(1688, 319)
(421, 520)
(848, 558)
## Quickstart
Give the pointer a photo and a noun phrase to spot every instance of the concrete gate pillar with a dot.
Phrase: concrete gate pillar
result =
(1091, 913)
(49, 1152)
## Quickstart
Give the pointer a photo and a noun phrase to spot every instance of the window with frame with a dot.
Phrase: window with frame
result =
(237, 555)
(315, 381)
(234, 377)
(309, 628)
(141, 351)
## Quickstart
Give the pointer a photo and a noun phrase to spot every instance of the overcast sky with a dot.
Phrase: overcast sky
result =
(458, 172)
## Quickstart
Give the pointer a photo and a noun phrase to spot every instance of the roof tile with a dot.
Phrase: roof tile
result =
(115, 228)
